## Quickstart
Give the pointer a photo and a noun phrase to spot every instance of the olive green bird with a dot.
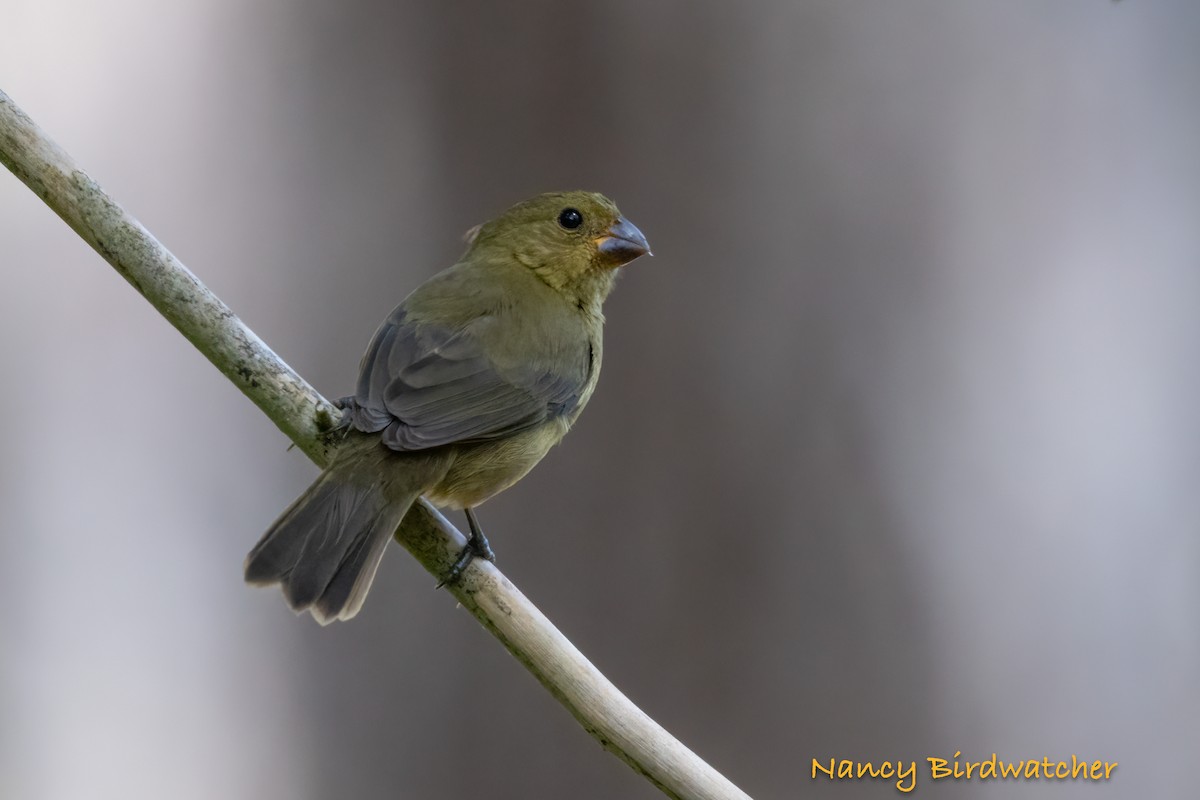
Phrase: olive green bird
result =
(463, 389)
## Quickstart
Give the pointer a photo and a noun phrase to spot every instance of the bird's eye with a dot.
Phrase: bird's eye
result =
(570, 219)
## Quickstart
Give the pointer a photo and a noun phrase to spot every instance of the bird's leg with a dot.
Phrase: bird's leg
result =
(478, 543)
(477, 546)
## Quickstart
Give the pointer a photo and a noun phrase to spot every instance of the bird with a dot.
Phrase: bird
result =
(463, 389)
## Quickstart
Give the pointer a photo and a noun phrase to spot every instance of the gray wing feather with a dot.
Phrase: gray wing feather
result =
(426, 386)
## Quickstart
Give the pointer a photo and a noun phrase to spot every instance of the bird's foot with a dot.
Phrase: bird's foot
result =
(477, 546)
(345, 423)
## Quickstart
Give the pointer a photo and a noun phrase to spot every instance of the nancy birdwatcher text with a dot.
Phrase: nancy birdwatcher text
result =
(904, 774)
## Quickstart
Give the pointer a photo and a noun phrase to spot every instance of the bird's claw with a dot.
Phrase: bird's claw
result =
(476, 547)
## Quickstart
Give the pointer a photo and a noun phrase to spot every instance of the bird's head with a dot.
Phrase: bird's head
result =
(573, 240)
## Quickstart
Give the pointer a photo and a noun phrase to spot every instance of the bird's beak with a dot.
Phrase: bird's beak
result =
(623, 242)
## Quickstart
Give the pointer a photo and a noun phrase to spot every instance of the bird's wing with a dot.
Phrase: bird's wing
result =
(425, 385)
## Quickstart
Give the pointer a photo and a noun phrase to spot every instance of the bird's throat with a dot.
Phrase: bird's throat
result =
(586, 289)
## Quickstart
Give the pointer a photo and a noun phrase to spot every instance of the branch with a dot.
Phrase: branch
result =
(305, 417)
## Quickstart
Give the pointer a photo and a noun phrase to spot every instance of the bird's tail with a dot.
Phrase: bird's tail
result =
(324, 549)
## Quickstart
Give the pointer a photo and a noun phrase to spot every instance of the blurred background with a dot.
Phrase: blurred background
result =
(895, 454)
